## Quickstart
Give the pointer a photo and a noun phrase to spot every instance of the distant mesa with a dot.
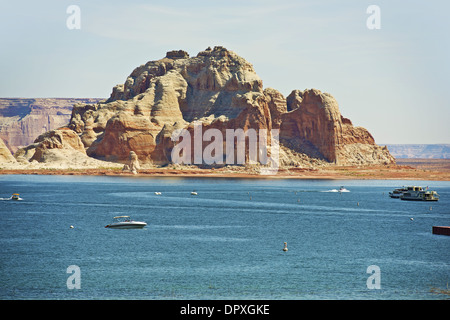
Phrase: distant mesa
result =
(222, 91)
(420, 151)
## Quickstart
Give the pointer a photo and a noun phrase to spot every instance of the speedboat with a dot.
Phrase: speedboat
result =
(16, 197)
(125, 222)
(194, 193)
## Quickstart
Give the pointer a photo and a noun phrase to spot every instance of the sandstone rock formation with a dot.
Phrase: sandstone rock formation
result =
(216, 87)
(5, 154)
(59, 149)
(218, 90)
(133, 165)
(23, 120)
(315, 126)
(53, 146)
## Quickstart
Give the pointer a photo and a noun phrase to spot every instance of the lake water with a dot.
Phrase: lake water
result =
(224, 243)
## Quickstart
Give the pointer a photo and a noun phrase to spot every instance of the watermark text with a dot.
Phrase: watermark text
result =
(373, 22)
(237, 147)
(73, 21)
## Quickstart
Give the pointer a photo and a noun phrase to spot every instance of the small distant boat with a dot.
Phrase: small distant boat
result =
(125, 222)
(194, 193)
(157, 193)
(342, 189)
(16, 196)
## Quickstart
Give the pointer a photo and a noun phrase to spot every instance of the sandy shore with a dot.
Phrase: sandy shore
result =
(405, 169)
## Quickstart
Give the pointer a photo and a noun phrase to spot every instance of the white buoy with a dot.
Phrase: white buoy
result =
(285, 247)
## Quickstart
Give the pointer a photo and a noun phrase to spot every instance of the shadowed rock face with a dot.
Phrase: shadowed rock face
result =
(222, 91)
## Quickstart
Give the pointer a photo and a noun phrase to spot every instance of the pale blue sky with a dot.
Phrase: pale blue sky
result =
(392, 81)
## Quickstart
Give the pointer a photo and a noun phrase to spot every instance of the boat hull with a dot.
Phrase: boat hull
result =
(417, 199)
(127, 225)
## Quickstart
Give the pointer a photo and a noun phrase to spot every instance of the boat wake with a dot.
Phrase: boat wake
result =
(337, 190)
(8, 199)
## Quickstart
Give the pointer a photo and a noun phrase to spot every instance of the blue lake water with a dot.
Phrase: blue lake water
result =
(224, 243)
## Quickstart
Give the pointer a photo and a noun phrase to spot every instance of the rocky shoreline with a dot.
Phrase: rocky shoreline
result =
(391, 172)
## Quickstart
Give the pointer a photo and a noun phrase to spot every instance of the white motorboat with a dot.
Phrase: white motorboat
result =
(194, 193)
(125, 222)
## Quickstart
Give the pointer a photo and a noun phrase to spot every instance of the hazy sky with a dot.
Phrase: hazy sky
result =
(394, 81)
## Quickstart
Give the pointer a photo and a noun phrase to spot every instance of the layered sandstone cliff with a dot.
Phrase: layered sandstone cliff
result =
(216, 89)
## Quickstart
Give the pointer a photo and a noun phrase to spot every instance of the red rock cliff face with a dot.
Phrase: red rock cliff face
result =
(314, 124)
(221, 90)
